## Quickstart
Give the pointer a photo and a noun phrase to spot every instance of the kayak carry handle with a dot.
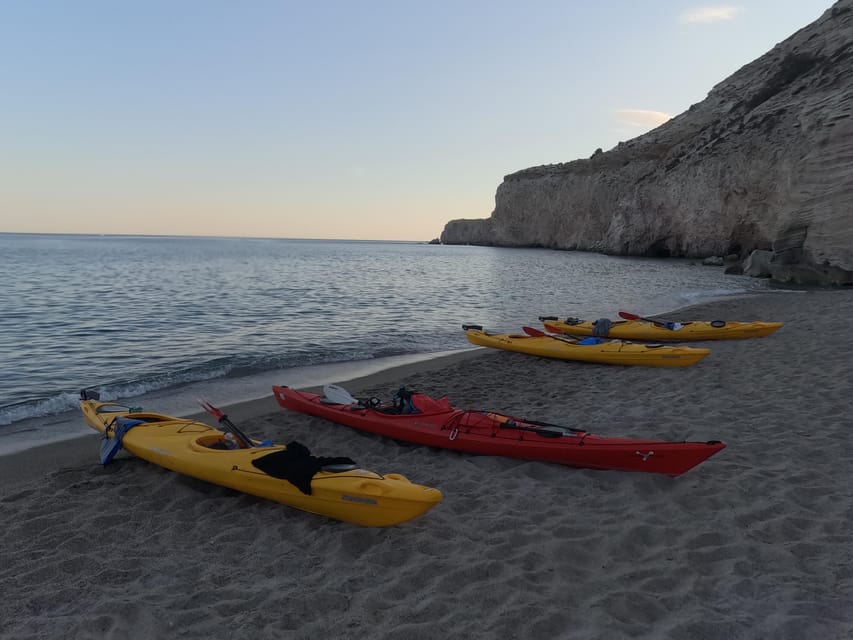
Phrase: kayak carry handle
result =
(89, 394)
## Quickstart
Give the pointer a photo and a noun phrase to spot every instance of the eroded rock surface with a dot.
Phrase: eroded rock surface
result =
(764, 162)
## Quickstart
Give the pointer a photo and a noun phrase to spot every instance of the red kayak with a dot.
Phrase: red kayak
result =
(424, 420)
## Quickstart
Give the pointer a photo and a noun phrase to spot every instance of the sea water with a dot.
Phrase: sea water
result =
(161, 320)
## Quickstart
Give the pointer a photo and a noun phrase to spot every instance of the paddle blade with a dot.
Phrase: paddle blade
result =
(334, 394)
(216, 413)
(664, 324)
(109, 448)
(245, 441)
(534, 332)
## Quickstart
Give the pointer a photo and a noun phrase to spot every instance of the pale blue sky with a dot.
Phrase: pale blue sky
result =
(362, 119)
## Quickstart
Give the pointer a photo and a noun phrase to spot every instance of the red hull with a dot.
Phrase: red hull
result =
(440, 425)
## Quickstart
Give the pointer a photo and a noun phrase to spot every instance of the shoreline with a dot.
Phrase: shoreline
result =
(19, 467)
(303, 378)
(179, 396)
(183, 400)
(21, 464)
(753, 543)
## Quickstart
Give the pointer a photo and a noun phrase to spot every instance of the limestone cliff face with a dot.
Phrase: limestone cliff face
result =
(764, 162)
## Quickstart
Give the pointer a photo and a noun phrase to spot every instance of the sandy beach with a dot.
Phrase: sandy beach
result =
(754, 543)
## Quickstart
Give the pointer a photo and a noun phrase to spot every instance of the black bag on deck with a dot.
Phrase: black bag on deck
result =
(296, 465)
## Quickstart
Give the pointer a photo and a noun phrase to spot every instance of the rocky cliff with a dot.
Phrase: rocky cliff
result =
(765, 162)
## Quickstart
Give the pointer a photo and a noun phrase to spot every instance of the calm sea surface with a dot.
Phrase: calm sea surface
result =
(166, 319)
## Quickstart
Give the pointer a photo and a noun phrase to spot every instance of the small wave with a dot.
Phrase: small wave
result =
(133, 388)
(38, 408)
(108, 391)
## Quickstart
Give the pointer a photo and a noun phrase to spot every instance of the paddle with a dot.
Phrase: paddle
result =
(111, 446)
(546, 431)
(658, 323)
(338, 395)
(225, 422)
(535, 333)
(555, 426)
(570, 339)
(333, 394)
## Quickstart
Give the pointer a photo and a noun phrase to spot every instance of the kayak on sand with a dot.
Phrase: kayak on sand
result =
(591, 349)
(636, 328)
(420, 419)
(333, 487)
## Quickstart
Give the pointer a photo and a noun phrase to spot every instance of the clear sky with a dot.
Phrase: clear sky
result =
(359, 119)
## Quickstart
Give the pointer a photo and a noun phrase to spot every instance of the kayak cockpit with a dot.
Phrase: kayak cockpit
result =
(215, 442)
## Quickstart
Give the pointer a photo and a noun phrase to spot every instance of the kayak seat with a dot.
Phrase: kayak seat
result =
(370, 403)
(212, 442)
(217, 441)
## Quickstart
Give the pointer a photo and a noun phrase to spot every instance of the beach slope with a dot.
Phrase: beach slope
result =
(754, 543)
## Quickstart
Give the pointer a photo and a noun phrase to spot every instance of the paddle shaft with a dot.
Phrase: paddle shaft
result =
(565, 337)
(230, 426)
(237, 432)
(634, 316)
(545, 429)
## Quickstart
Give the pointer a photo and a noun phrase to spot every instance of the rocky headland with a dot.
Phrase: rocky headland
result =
(760, 171)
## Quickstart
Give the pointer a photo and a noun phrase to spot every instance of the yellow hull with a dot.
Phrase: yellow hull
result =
(607, 352)
(689, 331)
(358, 496)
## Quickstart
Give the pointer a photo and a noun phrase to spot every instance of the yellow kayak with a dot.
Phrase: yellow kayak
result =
(587, 350)
(339, 491)
(640, 329)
